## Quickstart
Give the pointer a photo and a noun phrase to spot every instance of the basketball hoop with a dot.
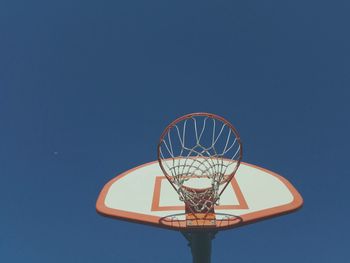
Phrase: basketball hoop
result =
(199, 154)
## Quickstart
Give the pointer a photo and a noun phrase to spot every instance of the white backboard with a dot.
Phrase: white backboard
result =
(144, 195)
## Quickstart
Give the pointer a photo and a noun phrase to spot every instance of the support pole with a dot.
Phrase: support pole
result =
(200, 244)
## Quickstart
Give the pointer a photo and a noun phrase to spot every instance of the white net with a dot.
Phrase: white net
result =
(199, 153)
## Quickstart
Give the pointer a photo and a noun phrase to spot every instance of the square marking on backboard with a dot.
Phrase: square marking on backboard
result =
(232, 197)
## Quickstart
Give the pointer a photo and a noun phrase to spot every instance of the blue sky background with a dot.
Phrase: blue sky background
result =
(86, 88)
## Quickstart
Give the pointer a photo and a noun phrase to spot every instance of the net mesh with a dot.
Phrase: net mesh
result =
(198, 154)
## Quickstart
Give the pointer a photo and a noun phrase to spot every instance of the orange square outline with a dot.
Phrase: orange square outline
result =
(242, 204)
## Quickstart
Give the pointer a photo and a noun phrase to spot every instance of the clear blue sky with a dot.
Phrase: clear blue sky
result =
(86, 88)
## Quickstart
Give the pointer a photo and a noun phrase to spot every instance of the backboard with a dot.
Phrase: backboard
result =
(144, 195)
